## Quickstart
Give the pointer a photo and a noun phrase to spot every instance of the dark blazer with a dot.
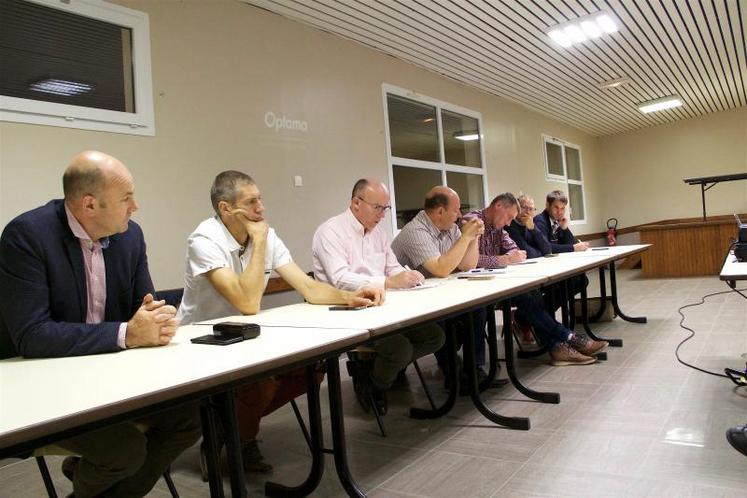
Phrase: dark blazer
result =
(565, 240)
(531, 241)
(43, 287)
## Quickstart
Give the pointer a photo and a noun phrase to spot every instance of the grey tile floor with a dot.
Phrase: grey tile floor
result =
(637, 425)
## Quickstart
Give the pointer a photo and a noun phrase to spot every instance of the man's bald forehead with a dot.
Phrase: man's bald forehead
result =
(89, 173)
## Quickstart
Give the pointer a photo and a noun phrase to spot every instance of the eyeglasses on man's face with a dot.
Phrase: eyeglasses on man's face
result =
(377, 207)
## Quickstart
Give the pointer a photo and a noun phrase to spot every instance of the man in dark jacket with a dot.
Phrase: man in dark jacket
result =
(74, 280)
(523, 231)
(553, 224)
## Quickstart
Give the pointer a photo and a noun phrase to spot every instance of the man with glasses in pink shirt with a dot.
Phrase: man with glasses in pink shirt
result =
(351, 250)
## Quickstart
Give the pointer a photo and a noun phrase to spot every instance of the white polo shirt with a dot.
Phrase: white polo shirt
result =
(212, 246)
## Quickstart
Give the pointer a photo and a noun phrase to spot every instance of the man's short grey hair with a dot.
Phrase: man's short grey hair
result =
(226, 187)
(506, 200)
(77, 182)
(523, 199)
(557, 195)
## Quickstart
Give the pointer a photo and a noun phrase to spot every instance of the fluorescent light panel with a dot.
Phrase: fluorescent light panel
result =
(467, 135)
(582, 29)
(61, 87)
(660, 104)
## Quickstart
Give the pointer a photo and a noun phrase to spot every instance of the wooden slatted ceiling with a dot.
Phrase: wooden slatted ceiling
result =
(696, 49)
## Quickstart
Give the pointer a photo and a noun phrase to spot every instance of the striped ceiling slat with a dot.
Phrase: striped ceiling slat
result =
(696, 49)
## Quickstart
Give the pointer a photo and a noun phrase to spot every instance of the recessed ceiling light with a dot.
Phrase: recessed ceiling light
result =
(615, 83)
(584, 28)
(607, 24)
(660, 104)
(61, 87)
(560, 38)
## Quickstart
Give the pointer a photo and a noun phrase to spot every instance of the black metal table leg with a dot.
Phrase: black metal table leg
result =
(338, 430)
(602, 296)
(492, 339)
(613, 291)
(226, 403)
(316, 445)
(571, 303)
(508, 342)
(210, 440)
(521, 423)
(564, 303)
(617, 343)
(425, 413)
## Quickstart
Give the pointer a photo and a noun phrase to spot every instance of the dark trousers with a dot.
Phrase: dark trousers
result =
(395, 352)
(125, 460)
(553, 294)
(530, 309)
(479, 321)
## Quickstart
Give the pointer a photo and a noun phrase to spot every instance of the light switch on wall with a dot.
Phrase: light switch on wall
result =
(297, 181)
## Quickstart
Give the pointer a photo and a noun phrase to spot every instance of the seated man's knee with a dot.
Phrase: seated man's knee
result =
(124, 458)
(395, 349)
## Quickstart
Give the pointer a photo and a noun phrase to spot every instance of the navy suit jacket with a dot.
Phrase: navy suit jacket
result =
(43, 288)
(531, 241)
(565, 237)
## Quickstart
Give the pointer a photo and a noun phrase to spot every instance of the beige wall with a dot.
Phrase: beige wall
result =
(641, 172)
(218, 67)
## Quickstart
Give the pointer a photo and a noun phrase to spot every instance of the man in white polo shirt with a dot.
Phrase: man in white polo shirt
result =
(229, 260)
(350, 250)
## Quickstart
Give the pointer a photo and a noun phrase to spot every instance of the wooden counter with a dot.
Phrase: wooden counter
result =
(686, 249)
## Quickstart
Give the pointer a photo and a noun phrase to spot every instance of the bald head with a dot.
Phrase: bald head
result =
(100, 194)
(369, 202)
(89, 173)
(368, 186)
(441, 196)
(442, 206)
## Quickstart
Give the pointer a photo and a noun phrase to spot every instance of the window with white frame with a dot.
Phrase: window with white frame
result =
(78, 64)
(563, 164)
(430, 143)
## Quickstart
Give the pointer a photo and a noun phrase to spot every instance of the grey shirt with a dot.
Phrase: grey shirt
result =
(420, 241)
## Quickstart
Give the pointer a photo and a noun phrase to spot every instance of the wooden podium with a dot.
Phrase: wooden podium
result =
(687, 248)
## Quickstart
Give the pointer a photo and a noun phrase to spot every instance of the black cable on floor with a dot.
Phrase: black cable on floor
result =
(692, 332)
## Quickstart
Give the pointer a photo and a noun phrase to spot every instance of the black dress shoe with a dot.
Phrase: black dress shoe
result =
(737, 437)
(69, 464)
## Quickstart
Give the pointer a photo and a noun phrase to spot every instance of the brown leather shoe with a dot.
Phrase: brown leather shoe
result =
(69, 465)
(564, 355)
(586, 346)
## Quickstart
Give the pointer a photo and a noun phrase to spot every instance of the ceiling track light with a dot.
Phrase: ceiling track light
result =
(582, 29)
(660, 104)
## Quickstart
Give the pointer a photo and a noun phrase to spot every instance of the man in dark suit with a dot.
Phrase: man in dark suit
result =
(553, 224)
(74, 280)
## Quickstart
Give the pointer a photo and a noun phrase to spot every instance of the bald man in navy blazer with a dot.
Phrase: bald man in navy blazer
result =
(74, 280)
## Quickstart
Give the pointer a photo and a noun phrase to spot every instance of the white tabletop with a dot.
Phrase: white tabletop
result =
(43, 396)
(401, 309)
(733, 269)
(569, 263)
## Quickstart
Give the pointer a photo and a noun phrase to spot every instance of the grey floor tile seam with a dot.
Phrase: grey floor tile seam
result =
(425, 454)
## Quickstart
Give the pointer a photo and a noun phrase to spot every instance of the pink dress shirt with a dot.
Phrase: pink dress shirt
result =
(93, 261)
(348, 257)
